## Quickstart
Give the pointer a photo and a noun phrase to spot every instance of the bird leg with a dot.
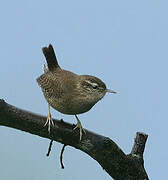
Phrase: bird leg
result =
(49, 120)
(79, 125)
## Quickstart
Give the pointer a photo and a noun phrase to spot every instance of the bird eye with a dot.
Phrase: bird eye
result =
(94, 85)
(91, 85)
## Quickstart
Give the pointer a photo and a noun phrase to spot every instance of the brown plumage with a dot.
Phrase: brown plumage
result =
(68, 92)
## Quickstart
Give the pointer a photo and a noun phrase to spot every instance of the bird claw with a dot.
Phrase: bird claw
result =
(79, 125)
(50, 122)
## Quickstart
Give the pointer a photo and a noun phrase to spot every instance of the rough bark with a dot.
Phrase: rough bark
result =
(105, 151)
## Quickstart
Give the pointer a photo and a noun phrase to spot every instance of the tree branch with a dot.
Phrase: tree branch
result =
(106, 152)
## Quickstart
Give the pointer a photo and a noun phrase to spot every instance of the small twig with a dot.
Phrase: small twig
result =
(49, 148)
(61, 156)
(139, 146)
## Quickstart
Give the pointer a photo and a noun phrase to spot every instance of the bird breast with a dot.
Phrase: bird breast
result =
(70, 105)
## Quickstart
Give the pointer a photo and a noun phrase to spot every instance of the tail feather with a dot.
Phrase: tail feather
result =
(50, 56)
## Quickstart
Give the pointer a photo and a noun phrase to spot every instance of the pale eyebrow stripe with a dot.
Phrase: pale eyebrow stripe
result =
(93, 84)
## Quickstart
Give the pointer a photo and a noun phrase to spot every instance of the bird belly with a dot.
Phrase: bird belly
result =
(69, 107)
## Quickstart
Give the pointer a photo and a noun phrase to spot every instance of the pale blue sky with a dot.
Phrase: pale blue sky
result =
(122, 42)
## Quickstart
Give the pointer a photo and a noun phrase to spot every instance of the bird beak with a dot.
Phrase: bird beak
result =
(110, 91)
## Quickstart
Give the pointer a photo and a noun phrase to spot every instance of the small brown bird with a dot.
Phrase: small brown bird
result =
(68, 92)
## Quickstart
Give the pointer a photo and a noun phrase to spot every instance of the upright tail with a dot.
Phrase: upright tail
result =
(50, 56)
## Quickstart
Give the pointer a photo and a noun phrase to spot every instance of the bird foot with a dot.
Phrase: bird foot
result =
(79, 125)
(49, 121)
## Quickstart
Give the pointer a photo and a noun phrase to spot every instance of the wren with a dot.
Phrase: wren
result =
(68, 92)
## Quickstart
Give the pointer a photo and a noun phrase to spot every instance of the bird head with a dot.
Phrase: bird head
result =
(94, 88)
